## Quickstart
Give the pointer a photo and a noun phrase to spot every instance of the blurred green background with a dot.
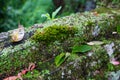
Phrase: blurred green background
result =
(28, 12)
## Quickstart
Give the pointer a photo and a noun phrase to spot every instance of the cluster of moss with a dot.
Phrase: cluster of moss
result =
(54, 33)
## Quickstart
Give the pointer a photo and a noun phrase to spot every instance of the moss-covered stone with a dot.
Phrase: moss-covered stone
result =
(61, 35)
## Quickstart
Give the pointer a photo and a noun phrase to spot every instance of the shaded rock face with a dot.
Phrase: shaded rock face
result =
(94, 64)
(59, 3)
(90, 5)
(76, 5)
(3, 36)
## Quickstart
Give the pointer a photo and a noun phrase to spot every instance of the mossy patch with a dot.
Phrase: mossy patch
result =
(54, 33)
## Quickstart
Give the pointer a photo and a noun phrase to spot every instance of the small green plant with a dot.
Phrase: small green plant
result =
(47, 15)
(63, 56)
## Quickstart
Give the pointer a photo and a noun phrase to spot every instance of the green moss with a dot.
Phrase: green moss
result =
(53, 33)
(103, 10)
(106, 10)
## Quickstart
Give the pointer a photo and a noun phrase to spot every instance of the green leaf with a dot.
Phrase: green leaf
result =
(56, 12)
(82, 48)
(118, 29)
(47, 16)
(60, 59)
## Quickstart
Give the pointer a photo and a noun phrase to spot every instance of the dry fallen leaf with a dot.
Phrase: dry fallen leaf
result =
(95, 43)
(18, 34)
(114, 32)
